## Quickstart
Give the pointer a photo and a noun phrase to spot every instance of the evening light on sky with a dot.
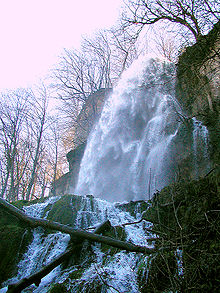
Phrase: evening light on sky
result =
(33, 34)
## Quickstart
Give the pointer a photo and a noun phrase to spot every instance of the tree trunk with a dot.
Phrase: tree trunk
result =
(36, 277)
(75, 234)
(36, 157)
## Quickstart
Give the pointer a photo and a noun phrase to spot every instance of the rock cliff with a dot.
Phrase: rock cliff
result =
(85, 121)
(198, 84)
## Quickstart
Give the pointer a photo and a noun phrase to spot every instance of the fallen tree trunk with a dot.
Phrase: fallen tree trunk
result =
(36, 277)
(77, 234)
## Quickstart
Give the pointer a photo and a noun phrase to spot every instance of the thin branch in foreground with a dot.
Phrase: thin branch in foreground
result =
(133, 223)
(104, 282)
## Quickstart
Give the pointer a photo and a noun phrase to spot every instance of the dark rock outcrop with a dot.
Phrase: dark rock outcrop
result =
(198, 84)
(89, 114)
(14, 239)
(68, 181)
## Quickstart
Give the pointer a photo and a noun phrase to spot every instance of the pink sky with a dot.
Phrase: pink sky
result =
(34, 32)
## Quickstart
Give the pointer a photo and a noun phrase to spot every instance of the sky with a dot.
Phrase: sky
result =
(33, 34)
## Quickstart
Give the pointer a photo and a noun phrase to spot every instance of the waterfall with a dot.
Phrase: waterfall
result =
(127, 153)
(128, 157)
(200, 147)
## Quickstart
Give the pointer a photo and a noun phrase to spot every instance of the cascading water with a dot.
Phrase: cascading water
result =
(126, 157)
(113, 272)
(200, 147)
(41, 251)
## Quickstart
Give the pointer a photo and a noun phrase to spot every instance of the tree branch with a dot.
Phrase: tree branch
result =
(76, 234)
(36, 277)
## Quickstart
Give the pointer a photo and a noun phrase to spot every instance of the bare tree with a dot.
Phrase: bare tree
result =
(195, 16)
(69, 77)
(98, 54)
(114, 50)
(26, 145)
(80, 74)
(73, 82)
(123, 48)
(13, 107)
(56, 154)
(167, 45)
(37, 127)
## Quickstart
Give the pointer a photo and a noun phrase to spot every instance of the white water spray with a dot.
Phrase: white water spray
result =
(127, 154)
(200, 146)
(41, 251)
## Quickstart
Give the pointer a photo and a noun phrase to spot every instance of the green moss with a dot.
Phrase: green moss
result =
(133, 207)
(95, 285)
(7, 219)
(214, 136)
(14, 242)
(58, 288)
(116, 232)
(65, 210)
(161, 275)
(20, 203)
(15, 237)
(77, 274)
(61, 211)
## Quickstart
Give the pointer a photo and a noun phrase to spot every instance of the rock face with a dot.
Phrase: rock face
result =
(89, 114)
(85, 121)
(15, 238)
(198, 84)
(69, 180)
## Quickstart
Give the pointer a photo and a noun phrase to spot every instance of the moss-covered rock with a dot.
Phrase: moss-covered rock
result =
(15, 238)
(67, 209)
(133, 207)
(197, 86)
(61, 211)
(161, 276)
(116, 232)
(58, 288)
